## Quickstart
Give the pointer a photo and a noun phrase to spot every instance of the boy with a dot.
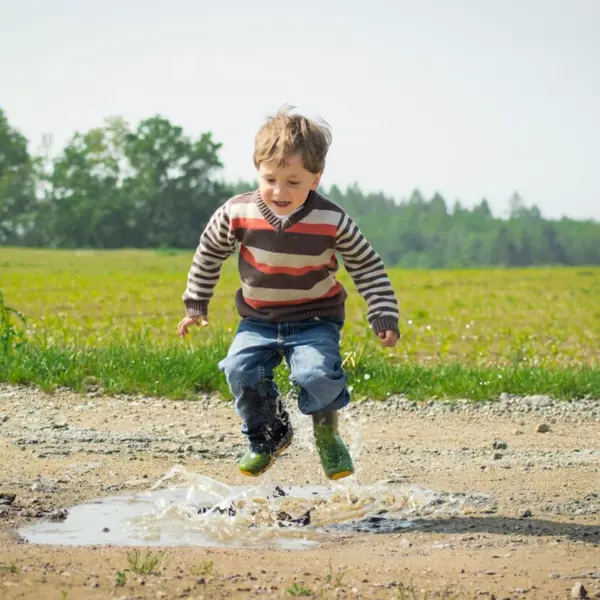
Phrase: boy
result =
(290, 303)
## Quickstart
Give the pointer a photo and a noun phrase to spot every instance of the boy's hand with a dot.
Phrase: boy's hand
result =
(199, 320)
(388, 338)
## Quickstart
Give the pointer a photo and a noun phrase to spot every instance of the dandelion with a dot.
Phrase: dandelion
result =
(350, 388)
(410, 321)
(367, 376)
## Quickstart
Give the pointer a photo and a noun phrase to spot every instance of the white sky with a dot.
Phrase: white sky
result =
(471, 98)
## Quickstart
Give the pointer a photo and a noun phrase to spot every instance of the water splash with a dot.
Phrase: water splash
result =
(206, 512)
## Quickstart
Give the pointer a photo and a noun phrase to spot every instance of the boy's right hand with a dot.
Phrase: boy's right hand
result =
(186, 322)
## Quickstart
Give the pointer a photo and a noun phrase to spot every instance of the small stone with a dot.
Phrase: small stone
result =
(161, 594)
(498, 455)
(543, 428)
(500, 445)
(579, 591)
(7, 499)
(201, 581)
(93, 584)
(526, 514)
(59, 515)
(518, 432)
(44, 485)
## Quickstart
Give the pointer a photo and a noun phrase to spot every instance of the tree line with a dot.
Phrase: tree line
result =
(154, 186)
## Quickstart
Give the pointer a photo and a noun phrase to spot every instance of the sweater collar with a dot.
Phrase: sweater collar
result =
(284, 222)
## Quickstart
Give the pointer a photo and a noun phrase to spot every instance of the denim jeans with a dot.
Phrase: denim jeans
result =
(312, 351)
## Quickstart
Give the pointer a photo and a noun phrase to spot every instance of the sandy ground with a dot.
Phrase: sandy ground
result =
(539, 539)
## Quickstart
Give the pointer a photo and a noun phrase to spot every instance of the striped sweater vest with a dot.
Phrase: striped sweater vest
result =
(288, 266)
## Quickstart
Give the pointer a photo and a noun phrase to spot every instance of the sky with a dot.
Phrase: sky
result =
(470, 98)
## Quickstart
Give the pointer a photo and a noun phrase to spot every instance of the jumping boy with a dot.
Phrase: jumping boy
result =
(290, 303)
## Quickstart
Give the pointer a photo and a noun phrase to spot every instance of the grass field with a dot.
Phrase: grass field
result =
(110, 317)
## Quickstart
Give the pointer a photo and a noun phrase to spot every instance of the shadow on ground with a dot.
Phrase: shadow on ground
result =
(464, 525)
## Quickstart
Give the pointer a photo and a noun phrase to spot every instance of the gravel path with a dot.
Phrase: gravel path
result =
(529, 469)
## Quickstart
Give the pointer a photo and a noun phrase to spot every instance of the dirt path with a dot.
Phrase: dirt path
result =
(538, 536)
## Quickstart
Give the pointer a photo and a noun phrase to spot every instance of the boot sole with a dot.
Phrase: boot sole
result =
(340, 475)
(275, 455)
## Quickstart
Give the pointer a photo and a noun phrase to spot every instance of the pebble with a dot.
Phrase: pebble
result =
(59, 514)
(7, 499)
(500, 445)
(543, 428)
(579, 591)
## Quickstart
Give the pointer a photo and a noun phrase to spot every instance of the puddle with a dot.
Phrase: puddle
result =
(206, 512)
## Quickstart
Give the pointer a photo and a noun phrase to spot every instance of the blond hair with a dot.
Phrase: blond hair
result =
(287, 134)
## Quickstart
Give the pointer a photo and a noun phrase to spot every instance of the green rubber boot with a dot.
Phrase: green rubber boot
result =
(334, 455)
(260, 458)
(253, 463)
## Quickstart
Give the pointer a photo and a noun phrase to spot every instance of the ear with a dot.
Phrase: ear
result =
(317, 181)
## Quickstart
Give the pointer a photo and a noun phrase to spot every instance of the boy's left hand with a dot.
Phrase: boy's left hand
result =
(388, 338)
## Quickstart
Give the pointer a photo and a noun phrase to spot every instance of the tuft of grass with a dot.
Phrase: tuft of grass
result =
(12, 336)
(11, 568)
(335, 578)
(299, 590)
(143, 565)
(120, 579)
(204, 570)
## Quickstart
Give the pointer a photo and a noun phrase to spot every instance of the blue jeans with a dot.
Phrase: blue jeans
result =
(312, 351)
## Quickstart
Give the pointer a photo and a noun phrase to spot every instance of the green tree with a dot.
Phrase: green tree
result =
(85, 205)
(17, 184)
(171, 188)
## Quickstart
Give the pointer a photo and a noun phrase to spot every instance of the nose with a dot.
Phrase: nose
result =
(278, 192)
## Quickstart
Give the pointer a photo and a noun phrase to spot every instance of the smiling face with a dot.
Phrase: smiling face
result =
(284, 188)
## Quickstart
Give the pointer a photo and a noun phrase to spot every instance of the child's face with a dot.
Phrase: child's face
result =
(285, 188)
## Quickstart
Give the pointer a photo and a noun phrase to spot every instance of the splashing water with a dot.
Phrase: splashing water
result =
(207, 512)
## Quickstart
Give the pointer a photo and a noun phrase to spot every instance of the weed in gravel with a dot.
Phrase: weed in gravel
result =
(143, 565)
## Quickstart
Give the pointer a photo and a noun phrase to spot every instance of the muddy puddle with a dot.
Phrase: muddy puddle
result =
(188, 509)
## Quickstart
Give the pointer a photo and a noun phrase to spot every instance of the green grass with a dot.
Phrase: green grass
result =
(109, 318)
(143, 564)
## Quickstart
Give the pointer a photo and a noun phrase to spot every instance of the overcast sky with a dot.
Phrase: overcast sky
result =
(471, 98)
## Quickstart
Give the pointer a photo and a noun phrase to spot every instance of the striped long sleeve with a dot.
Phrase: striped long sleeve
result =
(368, 272)
(217, 243)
